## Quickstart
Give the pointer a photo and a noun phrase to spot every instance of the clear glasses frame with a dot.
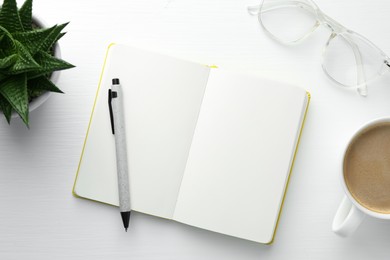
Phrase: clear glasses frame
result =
(337, 30)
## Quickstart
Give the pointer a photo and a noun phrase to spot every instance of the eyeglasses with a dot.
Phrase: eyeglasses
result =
(349, 59)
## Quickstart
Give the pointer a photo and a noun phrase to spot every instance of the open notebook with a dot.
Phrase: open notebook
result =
(206, 147)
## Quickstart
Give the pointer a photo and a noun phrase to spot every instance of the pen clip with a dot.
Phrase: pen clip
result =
(110, 109)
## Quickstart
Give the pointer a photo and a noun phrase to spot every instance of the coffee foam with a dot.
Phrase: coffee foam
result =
(367, 168)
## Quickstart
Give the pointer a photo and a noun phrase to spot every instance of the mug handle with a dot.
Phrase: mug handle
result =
(347, 218)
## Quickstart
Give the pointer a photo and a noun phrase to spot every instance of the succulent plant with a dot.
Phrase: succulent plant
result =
(26, 59)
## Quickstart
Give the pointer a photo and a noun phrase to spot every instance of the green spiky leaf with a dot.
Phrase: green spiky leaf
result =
(14, 90)
(61, 35)
(8, 61)
(24, 62)
(40, 39)
(9, 16)
(32, 40)
(49, 41)
(7, 43)
(48, 64)
(6, 107)
(25, 14)
(42, 84)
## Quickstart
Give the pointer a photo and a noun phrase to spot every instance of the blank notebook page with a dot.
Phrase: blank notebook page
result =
(162, 98)
(241, 155)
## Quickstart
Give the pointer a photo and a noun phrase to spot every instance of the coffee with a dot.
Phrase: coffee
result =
(367, 168)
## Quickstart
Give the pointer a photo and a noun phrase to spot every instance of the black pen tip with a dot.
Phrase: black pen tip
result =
(126, 219)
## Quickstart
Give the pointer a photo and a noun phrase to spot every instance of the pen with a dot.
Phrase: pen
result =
(115, 102)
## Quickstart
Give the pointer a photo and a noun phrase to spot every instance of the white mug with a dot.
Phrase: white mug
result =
(350, 213)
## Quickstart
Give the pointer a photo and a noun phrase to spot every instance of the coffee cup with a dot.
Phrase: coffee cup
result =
(365, 177)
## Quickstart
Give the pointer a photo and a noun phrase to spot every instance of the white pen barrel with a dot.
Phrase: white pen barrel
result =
(121, 149)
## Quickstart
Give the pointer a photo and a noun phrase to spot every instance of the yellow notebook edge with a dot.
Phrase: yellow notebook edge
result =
(89, 125)
(291, 169)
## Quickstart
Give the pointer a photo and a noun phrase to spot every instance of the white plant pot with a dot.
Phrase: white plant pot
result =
(38, 101)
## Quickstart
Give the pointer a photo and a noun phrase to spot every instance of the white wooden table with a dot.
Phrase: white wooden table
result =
(39, 218)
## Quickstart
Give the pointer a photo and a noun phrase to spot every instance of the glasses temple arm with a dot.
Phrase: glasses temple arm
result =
(265, 7)
(254, 9)
(361, 80)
